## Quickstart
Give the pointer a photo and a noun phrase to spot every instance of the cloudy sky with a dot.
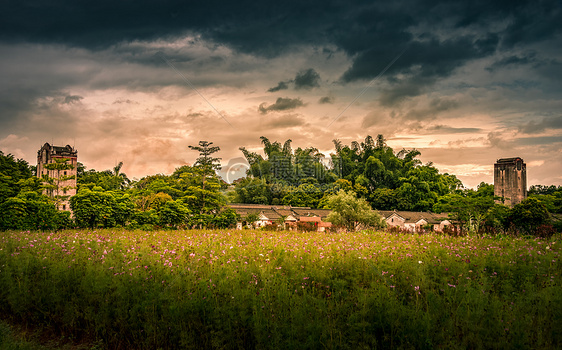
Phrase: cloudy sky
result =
(465, 82)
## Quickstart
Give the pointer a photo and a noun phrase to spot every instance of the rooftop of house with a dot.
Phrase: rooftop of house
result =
(271, 214)
(508, 160)
(64, 151)
(275, 212)
(323, 213)
(414, 216)
(285, 212)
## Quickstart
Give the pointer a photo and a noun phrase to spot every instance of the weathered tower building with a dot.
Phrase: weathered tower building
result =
(510, 180)
(57, 166)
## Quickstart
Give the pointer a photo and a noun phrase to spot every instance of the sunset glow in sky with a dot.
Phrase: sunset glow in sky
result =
(465, 82)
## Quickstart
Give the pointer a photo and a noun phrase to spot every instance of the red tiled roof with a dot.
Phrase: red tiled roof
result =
(310, 219)
(413, 216)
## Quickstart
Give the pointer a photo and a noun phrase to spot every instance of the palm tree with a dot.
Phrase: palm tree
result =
(120, 178)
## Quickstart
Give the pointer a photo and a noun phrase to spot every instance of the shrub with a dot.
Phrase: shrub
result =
(307, 226)
(270, 227)
(527, 216)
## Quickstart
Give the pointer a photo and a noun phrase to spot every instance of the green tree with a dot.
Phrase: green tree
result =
(527, 216)
(173, 214)
(112, 179)
(202, 199)
(352, 212)
(550, 196)
(99, 208)
(123, 208)
(457, 206)
(206, 166)
(305, 195)
(543, 190)
(22, 206)
(32, 211)
(120, 179)
(226, 218)
(496, 219)
(385, 199)
(251, 218)
(205, 159)
(11, 172)
(469, 209)
(252, 191)
(389, 180)
(283, 166)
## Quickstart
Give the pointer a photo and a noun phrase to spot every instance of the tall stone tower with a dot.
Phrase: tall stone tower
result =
(510, 180)
(59, 166)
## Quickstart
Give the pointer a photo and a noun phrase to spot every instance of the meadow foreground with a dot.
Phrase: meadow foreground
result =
(256, 289)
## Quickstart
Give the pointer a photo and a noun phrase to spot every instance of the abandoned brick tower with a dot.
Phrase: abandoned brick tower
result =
(57, 167)
(510, 180)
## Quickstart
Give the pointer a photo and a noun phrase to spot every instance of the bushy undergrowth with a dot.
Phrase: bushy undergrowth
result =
(269, 290)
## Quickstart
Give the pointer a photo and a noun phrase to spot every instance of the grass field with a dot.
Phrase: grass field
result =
(272, 290)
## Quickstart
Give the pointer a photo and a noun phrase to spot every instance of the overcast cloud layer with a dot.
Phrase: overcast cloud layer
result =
(466, 82)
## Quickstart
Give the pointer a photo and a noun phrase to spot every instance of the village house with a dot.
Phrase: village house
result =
(289, 217)
(415, 221)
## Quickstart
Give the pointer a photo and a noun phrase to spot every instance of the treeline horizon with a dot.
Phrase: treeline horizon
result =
(195, 196)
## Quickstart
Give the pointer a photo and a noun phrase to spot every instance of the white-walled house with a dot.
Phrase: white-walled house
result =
(283, 215)
(289, 217)
(415, 221)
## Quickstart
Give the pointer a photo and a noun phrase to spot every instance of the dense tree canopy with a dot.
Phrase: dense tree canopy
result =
(352, 212)
(22, 204)
(351, 181)
(190, 197)
(529, 215)
(468, 208)
(387, 180)
(12, 171)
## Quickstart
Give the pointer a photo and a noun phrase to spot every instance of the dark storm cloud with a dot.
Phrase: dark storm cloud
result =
(282, 104)
(70, 99)
(533, 22)
(307, 79)
(304, 80)
(513, 60)
(445, 129)
(326, 99)
(282, 85)
(15, 102)
(421, 64)
(124, 101)
(263, 27)
(438, 36)
(435, 107)
(536, 141)
(270, 27)
(18, 103)
(534, 127)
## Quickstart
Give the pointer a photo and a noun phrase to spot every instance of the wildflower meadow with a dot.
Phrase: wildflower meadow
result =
(284, 290)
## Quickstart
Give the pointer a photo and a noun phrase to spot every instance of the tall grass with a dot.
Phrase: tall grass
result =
(256, 289)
